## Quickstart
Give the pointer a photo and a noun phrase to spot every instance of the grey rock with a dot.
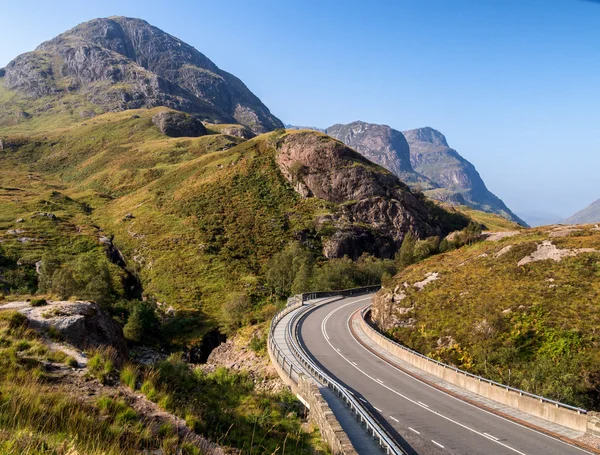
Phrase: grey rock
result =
(431, 156)
(590, 214)
(178, 124)
(422, 159)
(82, 324)
(382, 145)
(121, 63)
(376, 209)
(20, 220)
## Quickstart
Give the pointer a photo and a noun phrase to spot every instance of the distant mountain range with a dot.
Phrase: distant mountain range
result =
(422, 158)
(590, 214)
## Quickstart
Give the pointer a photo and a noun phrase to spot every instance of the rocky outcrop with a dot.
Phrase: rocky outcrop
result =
(375, 210)
(123, 63)
(178, 124)
(422, 159)
(590, 214)
(431, 156)
(382, 145)
(83, 324)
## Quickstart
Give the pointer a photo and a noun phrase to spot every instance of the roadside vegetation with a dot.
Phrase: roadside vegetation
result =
(531, 326)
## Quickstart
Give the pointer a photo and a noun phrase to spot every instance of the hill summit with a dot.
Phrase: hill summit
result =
(120, 63)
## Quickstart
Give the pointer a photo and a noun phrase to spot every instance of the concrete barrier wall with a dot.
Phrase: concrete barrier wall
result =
(319, 411)
(593, 423)
(322, 416)
(548, 411)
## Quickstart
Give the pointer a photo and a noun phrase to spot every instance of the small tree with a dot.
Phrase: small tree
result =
(406, 255)
(234, 311)
(143, 324)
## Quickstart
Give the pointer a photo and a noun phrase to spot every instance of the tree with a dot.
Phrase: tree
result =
(143, 324)
(234, 311)
(285, 266)
(406, 255)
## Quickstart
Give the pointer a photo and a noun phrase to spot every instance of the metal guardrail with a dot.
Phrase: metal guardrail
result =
(344, 293)
(372, 427)
(367, 309)
(285, 363)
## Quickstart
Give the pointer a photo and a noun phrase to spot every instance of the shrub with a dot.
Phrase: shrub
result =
(234, 311)
(38, 302)
(143, 324)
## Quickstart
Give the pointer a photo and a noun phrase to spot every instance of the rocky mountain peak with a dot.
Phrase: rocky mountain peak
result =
(382, 145)
(119, 63)
(426, 134)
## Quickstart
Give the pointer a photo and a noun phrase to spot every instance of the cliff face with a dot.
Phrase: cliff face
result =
(422, 159)
(431, 156)
(382, 145)
(123, 63)
(375, 210)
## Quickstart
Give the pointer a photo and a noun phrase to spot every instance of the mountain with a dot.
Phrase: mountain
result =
(120, 63)
(590, 214)
(382, 145)
(537, 218)
(423, 159)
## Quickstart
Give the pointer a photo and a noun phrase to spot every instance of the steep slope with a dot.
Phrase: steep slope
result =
(422, 159)
(590, 214)
(382, 145)
(457, 178)
(377, 209)
(520, 308)
(122, 63)
(198, 219)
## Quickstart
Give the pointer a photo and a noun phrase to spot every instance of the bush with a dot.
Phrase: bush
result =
(234, 311)
(38, 302)
(143, 324)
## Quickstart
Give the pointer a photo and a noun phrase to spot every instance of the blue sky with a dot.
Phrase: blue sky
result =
(513, 84)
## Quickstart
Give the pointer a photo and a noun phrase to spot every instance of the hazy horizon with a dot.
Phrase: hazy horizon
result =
(511, 84)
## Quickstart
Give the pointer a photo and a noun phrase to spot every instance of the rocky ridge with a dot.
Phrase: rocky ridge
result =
(376, 209)
(120, 63)
(422, 159)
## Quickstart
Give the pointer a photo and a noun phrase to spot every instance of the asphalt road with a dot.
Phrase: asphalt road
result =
(422, 419)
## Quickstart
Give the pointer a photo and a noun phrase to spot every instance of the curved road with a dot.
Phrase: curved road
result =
(422, 419)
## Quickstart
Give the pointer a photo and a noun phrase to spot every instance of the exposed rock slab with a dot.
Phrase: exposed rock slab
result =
(547, 250)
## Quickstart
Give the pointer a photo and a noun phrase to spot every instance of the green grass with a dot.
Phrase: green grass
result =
(225, 406)
(40, 415)
(532, 326)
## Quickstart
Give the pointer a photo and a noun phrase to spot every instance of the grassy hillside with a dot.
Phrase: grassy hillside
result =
(528, 324)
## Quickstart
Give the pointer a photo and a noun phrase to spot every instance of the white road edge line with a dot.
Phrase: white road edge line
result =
(324, 331)
(394, 419)
(437, 444)
(458, 399)
(377, 409)
(413, 430)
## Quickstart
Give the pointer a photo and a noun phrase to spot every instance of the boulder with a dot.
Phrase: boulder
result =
(83, 324)
(178, 124)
